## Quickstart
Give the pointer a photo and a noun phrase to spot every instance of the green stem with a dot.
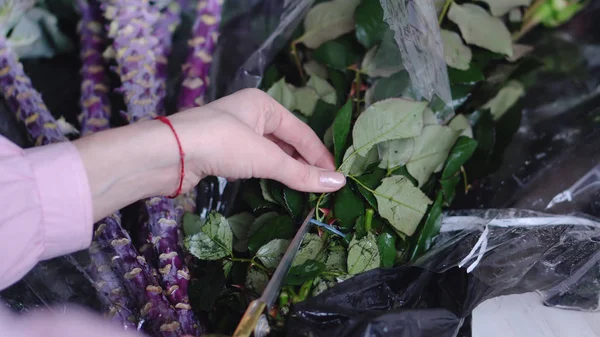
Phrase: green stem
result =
(369, 219)
(294, 52)
(444, 11)
(318, 206)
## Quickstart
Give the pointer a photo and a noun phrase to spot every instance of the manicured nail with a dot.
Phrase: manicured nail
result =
(332, 179)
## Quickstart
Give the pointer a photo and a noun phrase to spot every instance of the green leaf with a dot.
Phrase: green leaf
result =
(271, 76)
(371, 180)
(227, 265)
(430, 152)
(505, 99)
(394, 153)
(191, 223)
(471, 76)
(341, 82)
(430, 230)
(37, 35)
(265, 191)
(363, 255)
(271, 253)
(460, 94)
(347, 207)
(240, 226)
(502, 7)
(327, 21)
(305, 99)
(252, 196)
(274, 190)
(397, 85)
(462, 150)
(280, 227)
(323, 89)
(461, 123)
(359, 228)
(336, 259)
(384, 59)
(339, 53)
(311, 248)
(401, 203)
(393, 118)
(456, 53)
(341, 130)
(429, 117)
(294, 202)
(214, 241)
(370, 26)
(478, 27)
(355, 164)
(322, 117)
(449, 188)
(282, 93)
(256, 280)
(387, 249)
(485, 134)
(314, 68)
(304, 272)
(402, 171)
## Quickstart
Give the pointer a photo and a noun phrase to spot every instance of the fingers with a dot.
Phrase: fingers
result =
(277, 165)
(261, 112)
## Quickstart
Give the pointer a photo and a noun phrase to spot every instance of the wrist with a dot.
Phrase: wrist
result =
(130, 163)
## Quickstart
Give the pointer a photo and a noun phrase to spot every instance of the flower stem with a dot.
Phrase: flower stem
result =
(444, 11)
(251, 261)
(369, 219)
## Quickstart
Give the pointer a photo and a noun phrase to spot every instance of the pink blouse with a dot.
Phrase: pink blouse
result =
(46, 211)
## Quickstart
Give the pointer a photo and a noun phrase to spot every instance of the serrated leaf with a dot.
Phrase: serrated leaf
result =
(401, 203)
(341, 130)
(314, 68)
(271, 253)
(502, 7)
(505, 99)
(240, 226)
(370, 26)
(214, 241)
(281, 227)
(304, 272)
(371, 180)
(261, 221)
(462, 150)
(355, 164)
(336, 260)
(431, 150)
(322, 117)
(305, 99)
(252, 196)
(256, 280)
(456, 53)
(393, 118)
(363, 255)
(323, 89)
(339, 53)
(347, 207)
(359, 228)
(430, 230)
(387, 249)
(327, 21)
(266, 193)
(471, 76)
(311, 248)
(394, 153)
(478, 27)
(328, 138)
(384, 59)
(294, 202)
(402, 171)
(281, 92)
(397, 85)
(227, 264)
(429, 117)
(461, 123)
(191, 223)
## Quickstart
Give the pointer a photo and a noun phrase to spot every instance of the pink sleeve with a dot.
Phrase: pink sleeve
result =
(54, 322)
(46, 206)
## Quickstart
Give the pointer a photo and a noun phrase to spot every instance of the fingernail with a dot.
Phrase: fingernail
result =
(332, 179)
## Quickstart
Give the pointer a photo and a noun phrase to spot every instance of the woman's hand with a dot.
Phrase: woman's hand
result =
(244, 135)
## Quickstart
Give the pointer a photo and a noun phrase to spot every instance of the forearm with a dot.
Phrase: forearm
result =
(129, 163)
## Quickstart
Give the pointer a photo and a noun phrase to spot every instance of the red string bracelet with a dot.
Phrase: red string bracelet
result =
(181, 154)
